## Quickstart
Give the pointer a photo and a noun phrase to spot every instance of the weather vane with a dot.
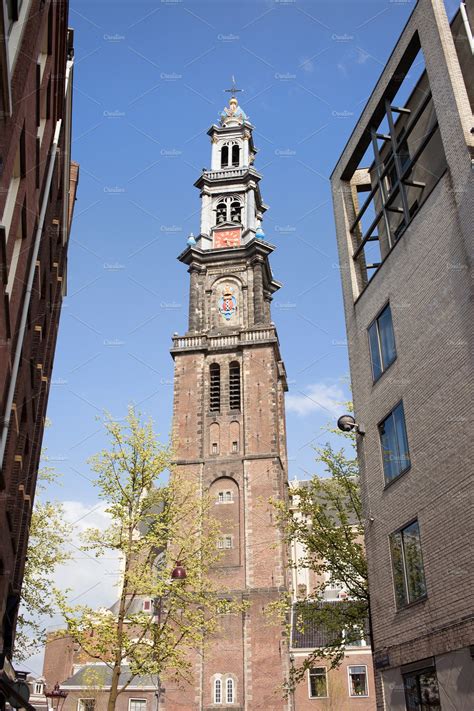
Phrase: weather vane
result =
(234, 89)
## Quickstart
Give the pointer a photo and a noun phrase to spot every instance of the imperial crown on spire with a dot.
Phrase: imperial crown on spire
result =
(231, 204)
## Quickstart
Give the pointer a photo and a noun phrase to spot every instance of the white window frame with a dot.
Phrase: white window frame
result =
(357, 696)
(134, 700)
(39, 687)
(230, 681)
(215, 683)
(80, 702)
(327, 685)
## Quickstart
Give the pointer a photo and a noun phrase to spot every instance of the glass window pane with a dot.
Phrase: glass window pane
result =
(387, 339)
(375, 351)
(358, 681)
(421, 691)
(398, 570)
(402, 440)
(389, 448)
(414, 562)
(318, 682)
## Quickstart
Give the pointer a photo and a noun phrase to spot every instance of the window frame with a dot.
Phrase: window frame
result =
(375, 321)
(80, 706)
(217, 683)
(407, 602)
(358, 696)
(416, 673)
(232, 684)
(215, 382)
(135, 700)
(235, 386)
(389, 481)
(310, 695)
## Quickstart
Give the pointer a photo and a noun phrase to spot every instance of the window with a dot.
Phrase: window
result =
(146, 605)
(230, 691)
(235, 211)
(224, 156)
(86, 705)
(224, 542)
(394, 441)
(137, 705)
(214, 387)
(218, 691)
(407, 565)
(318, 683)
(382, 343)
(214, 448)
(421, 690)
(358, 681)
(39, 688)
(13, 12)
(221, 213)
(235, 446)
(225, 497)
(234, 385)
(235, 155)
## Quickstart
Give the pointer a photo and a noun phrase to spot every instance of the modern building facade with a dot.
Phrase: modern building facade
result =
(229, 424)
(37, 191)
(405, 238)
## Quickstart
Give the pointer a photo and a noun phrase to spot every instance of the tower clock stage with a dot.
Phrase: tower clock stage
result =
(229, 430)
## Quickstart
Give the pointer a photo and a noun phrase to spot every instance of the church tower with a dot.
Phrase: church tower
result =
(229, 422)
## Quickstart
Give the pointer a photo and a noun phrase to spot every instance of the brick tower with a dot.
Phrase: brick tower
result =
(229, 422)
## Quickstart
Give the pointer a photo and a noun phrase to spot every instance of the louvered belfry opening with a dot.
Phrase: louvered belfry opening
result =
(234, 385)
(214, 387)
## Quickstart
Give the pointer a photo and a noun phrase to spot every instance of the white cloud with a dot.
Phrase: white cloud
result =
(91, 580)
(317, 397)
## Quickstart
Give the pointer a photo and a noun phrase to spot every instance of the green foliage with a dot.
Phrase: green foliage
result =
(47, 549)
(324, 516)
(154, 522)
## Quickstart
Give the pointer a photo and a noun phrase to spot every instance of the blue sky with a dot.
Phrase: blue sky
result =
(149, 82)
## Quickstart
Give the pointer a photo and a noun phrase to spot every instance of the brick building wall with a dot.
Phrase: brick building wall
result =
(239, 452)
(37, 190)
(425, 278)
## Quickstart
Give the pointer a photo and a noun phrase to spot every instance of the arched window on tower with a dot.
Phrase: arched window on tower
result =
(214, 387)
(224, 156)
(221, 213)
(234, 385)
(235, 156)
(235, 211)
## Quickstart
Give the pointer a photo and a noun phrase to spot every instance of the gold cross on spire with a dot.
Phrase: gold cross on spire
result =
(234, 88)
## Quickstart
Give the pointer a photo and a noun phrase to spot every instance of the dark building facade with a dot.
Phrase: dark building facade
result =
(404, 204)
(37, 193)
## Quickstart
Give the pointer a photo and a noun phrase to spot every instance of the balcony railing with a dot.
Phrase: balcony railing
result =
(232, 340)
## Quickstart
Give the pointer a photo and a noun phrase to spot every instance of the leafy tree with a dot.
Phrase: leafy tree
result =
(47, 549)
(325, 516)
(153, 524)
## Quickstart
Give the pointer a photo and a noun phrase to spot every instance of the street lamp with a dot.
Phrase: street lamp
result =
(57, 696)
(178, 572)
